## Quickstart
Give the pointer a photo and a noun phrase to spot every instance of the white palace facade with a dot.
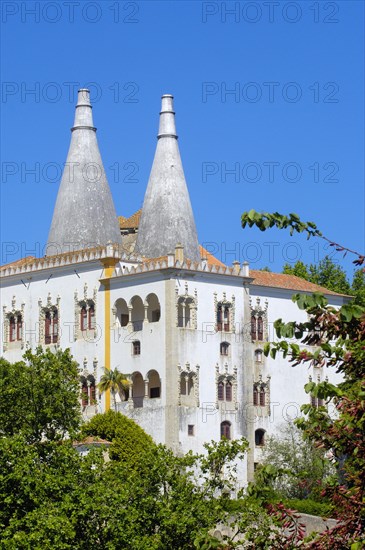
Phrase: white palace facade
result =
(141, 295)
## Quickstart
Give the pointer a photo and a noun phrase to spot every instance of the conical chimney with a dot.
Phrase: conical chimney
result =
(167, 217)
(84, 215)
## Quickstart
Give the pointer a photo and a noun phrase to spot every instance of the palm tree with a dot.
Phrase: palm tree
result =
(116, 382)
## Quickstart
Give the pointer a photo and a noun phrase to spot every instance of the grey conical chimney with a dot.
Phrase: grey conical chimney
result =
(167, 217)
(84, 215)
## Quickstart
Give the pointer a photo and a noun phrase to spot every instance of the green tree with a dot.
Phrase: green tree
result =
(116, 382)
(129, 442)
(358, 287)
(299, 269)
(39, 396)
(335, 337)
(305, 468)
(329, 275)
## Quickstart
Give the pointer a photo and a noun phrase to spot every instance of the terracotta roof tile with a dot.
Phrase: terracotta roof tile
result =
(290, 282)
(212, 260)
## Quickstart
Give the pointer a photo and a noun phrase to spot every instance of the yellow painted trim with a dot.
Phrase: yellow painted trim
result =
(108, 272)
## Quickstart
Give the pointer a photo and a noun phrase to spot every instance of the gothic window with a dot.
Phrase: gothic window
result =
(47, 327)
(50, 325)
(317, 402)
(259, 438)
(224, 348)
(84, 394)
(253, 327)
(19, 328)
(261, 393)
(91, 317)
(189, 386)
(226, 429)
(186, 312)
(136, 347)
(83, 319)
(258, 329)
(228, 391)
(220, 391)
(262, 397)
(12, 329)
(55, 327)
(223, 317)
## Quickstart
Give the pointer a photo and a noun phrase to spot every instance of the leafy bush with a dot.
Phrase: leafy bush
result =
(309, 506)
(130, 443)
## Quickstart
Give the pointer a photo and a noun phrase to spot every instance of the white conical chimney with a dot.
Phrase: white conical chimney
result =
(84, 214)
(167, 217)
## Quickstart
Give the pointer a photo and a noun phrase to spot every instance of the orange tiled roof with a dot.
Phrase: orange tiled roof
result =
(212, 260)
(131, 222)
(18, 263)
(290, 282)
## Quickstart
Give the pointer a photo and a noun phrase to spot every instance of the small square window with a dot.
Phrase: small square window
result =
(136, 348)
(190, 429)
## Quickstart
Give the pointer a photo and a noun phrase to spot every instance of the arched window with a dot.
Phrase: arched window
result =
(226, 429)
(181, 313)
(260, 438)
(55, 326)
(255, 396)
(154, 385)
(219, 317)
(91, 317)
(84, 393)
(221, 391)
(138, 389)
(12, 329)
(136, 347)
(83, 319)
(262, 397)
(47, 327)
(228, 391)
(224, 348)
(137, 313)
(153, 309)
(253, 327)
(260, 328)
(121, 312)
(19, 328)
(92, 392)
(258, 356)
(224, 316)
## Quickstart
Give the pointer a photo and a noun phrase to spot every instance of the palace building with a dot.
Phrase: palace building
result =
(141, 295)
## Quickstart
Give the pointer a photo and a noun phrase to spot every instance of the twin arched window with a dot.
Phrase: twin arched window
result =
(259, 396)
(51, 326)
(224, 391)
(87, 317)
(257, 327)
(223, 317)
(15, 328)
(224, 348)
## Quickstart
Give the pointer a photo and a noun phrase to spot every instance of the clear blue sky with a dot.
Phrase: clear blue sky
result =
(293, 129)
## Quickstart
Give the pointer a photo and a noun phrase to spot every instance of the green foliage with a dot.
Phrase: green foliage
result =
(40, 396)
(299, 269)
(129, 442)
(115, 382)
(309, 506)
(304, 468)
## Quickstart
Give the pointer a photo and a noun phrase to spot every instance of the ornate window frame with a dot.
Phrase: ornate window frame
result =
(188, 303)
(86, 302)
(190, 374)
(50, 307)
(16, 313)
(259, 314)
(262, 388)
(225, 376)
(225, 304)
